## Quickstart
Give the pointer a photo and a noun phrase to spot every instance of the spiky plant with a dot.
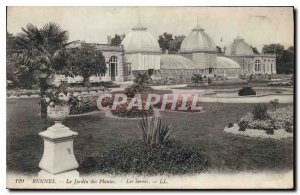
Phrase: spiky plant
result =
(154, 132)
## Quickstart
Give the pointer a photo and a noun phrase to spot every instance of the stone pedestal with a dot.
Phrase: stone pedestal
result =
(58, 159)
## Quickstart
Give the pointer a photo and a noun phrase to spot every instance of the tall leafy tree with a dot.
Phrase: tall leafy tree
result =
(116, 41)
(168, 42)
(286, 61)
(273, 49)
(87, 61)
(164, 41)
(40, 54)
(176, 43)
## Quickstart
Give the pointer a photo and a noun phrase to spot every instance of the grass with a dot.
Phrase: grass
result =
(98, 133)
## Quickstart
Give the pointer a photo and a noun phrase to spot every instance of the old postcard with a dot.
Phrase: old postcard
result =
(150, 97)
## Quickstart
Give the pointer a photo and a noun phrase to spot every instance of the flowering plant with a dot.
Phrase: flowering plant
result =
(57, 95)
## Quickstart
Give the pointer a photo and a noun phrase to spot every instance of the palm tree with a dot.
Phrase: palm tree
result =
(41, 53)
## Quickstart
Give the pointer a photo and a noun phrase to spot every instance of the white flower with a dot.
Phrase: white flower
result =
(68, 97)
(62, 97)
(51, 104)
(75, 94)
(47, 100)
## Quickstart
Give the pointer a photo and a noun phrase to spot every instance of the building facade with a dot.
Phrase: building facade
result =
(250, 63)
(140, 52)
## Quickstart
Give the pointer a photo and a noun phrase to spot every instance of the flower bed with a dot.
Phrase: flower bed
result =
(274, 123)
(280, 83)
(86, 103)
(123, 111)
(257, 133)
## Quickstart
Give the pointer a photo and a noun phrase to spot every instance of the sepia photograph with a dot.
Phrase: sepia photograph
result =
(157, 97)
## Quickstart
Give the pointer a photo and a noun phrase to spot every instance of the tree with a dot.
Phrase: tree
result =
(11, 65)
(164, 41)
(167, 42)
(41, 53)
(284, 58)
(116, 41)
(87, 61)
(254, 49)
(273, 49)
(286, 61)
(176, 43)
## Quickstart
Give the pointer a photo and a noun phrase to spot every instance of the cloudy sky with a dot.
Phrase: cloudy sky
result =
(258, 26)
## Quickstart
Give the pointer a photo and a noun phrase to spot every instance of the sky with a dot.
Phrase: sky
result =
(257, 25)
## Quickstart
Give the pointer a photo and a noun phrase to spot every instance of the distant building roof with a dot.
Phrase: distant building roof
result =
(223, 62)
(176, 62)
(239, 47)
(197, 40)
(139, 40)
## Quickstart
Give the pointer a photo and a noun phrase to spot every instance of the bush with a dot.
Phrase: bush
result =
(133, 157)
(154, 133)
(86, 103)
(274, 104)
(133, 89)
(106, 84)
(197, 78)
(230, 125)
(270, 131)
(243, 125)
(260, 112)
(246, 91)
(288, 126)
(140, 84)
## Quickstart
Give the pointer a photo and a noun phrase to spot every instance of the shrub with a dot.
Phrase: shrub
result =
(259, 112)
(246, 91)
(270, 129)
(135, 158)
(106, 84)
(230, 125)
(141, 79)
(288, 126)
(197, 78)
(154, 133)
(274, 104)
(140, 83)
(133, 89)
(243, 125)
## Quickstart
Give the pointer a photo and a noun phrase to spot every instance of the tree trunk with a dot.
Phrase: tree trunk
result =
(43, 88)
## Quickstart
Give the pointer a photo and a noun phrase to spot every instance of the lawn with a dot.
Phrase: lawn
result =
(98, 133)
